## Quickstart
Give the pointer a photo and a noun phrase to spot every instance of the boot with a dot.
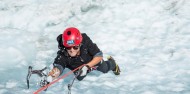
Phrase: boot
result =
(116, 70)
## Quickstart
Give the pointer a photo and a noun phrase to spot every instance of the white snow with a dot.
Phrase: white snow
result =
(11, 84)
(149, 39)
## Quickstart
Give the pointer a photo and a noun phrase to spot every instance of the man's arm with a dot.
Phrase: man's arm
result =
(94, 61)
(58, 66)
(93, 50)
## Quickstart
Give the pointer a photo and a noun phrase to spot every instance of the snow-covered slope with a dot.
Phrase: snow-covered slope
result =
(148, 38)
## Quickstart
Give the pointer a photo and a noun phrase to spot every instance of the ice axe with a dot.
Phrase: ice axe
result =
(38, 72)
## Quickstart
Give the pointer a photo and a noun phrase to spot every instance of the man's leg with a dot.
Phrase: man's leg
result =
(116, 69)
(110, 64)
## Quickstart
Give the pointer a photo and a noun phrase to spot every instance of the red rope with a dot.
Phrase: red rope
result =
(70, 72)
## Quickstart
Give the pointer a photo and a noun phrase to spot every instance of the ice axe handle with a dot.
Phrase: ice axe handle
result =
(28, 76)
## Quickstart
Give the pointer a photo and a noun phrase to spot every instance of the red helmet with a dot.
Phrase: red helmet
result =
(71, 37)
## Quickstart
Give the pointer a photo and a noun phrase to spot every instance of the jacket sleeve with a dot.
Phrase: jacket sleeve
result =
(60, 61)
(92, 48)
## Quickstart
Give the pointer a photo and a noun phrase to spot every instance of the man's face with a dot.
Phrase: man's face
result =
(73, 51)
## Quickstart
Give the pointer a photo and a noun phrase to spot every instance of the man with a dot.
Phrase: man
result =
(76, 49)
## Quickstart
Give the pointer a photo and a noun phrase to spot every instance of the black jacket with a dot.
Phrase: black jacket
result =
(88, 50)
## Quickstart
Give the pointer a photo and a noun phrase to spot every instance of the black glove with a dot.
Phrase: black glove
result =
(83, 72)
(45, 80)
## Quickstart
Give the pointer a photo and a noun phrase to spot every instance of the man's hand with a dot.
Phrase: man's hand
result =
(85, 69)
(54, 73)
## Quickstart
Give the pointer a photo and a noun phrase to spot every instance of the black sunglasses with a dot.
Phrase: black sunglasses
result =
(74, 47)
